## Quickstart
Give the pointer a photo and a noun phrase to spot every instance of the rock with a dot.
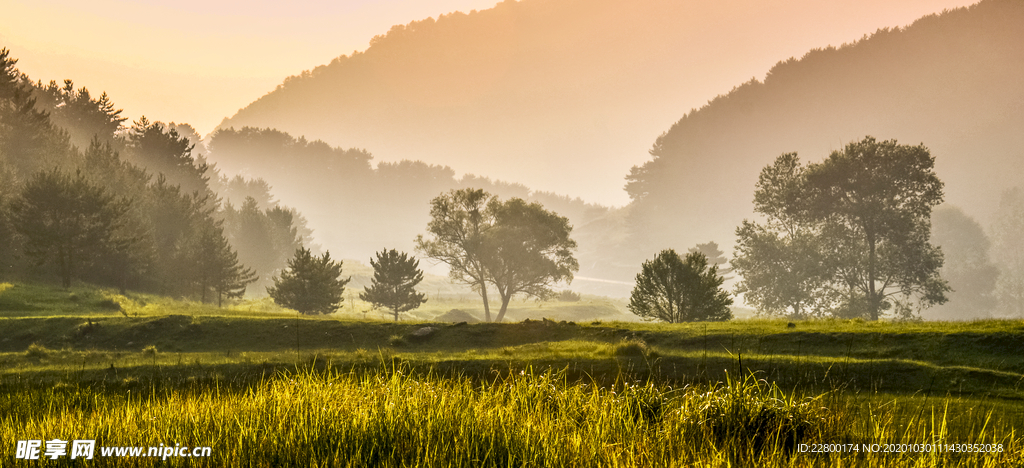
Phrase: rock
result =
(423, 332)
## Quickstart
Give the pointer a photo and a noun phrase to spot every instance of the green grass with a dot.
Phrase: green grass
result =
(394, 416)
(266, 388)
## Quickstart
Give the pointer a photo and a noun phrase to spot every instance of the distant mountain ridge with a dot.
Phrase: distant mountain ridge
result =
(559, 95)
(952, 81)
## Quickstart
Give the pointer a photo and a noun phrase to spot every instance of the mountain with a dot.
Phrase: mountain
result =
(559, 95)
(952, 81)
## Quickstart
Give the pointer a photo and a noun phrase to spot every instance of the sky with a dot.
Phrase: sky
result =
(194, 61)
(198, 62)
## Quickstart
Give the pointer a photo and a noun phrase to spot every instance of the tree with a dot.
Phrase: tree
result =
(215, 265)
(310, 285)
(68, 222)
(162, 150)
(1008, 249)
(674, 290)
(395, 276)
(783, 274)
(518, 248)
(176, 218)
(527, 250)
(715, 257)
(28, 140)
(84, 118)
(876, 198)
(459, 220)
(967, 266)
(784, 262)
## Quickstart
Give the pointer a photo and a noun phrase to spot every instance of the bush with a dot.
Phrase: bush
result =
(568, 296)
(37, 351)
(755, 416)
(632, 348)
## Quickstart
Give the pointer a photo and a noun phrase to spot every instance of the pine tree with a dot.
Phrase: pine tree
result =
(395, 276)
(310, 285)
(68, 222)
(216, 267)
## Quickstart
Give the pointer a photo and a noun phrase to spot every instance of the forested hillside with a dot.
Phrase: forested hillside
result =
(85, 198)
(950, 81)
(560, 95)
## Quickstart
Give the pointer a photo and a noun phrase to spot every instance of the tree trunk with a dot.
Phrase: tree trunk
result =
(487, 308)
(873, 303)
(504, 306)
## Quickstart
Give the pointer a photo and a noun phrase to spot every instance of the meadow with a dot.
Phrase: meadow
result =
(263, 387)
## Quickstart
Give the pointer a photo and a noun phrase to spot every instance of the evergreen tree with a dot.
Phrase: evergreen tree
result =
(310, 285)
(215, 266)
(395, 276)
(68, 222)
(78, 113)
(174, 218)
(674, 290)
(28, 140)
(161, 150)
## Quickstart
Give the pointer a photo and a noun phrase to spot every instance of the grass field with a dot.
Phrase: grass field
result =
(262, 387)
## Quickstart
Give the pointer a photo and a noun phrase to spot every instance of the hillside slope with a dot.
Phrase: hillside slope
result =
(559, 95)
(949, 81)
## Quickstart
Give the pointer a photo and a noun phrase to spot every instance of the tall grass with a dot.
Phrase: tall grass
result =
(392, 417)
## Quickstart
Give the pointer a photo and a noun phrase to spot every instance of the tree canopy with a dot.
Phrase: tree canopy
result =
(515, 246)
(68, 222)
(310, 285)
(849, 235)
(673, 289)
(395, 276)
(527, 250)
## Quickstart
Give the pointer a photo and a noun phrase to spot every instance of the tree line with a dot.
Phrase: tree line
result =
(84, 198)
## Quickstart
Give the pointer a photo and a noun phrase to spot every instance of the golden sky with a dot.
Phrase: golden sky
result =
(198, 61)
(194, 61)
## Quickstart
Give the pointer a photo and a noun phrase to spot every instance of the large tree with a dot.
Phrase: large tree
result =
(395, 276)
(458, 223)
(848, 236)
(162, 151)
(68, 222)
(310, 285)
(783, 260)
(673, 289)
(29, 142)
(516, 247)
(527, 250)
(878, 197)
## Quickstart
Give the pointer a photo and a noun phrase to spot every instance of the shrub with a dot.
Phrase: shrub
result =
(37, 351)
(632, 348)
(568, 296)
(396, 340)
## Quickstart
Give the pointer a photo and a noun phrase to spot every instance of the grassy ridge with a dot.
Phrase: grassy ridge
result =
(266, 388)
(966, 358)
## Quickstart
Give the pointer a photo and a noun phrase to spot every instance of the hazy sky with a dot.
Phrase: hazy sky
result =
(195, 61)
